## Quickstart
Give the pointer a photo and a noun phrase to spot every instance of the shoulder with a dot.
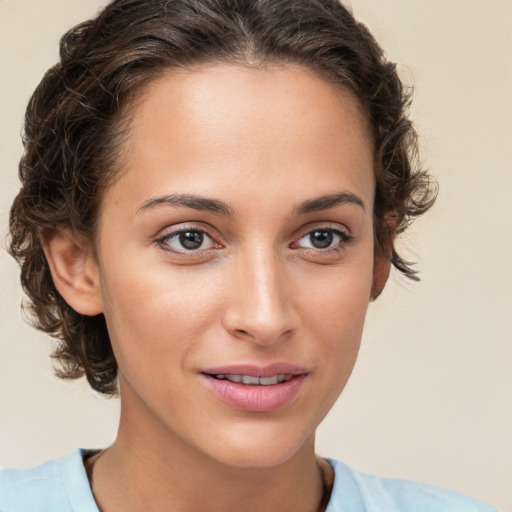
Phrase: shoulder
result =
(358, 492)
(56, 485)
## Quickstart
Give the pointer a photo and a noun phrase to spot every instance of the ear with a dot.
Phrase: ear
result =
(74, 271)
(382, 262)
(381, 270)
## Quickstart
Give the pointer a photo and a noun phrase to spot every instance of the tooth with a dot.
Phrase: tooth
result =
(249, 379)
(220, 376)
(281, 377)
(234, 378)
(269, 381)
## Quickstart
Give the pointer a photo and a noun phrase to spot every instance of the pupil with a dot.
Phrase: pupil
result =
(321, 239)
(191, 239)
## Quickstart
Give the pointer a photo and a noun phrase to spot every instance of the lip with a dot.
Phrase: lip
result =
(255, 370)
(255, 398)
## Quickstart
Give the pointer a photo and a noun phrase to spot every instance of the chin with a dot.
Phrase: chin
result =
(260, 459)
(259, 450)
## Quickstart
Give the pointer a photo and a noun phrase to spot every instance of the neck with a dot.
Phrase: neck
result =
(149, 468)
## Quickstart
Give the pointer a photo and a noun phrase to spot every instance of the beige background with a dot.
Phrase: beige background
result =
(431, 395)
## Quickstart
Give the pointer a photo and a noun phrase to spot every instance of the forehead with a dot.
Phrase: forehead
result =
(281, 130)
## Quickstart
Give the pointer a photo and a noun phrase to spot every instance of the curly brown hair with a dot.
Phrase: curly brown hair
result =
(75, 122)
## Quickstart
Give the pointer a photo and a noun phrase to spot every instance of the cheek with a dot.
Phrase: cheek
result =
(155, 313)
(333, 311)
(339, 327)
(337, 300)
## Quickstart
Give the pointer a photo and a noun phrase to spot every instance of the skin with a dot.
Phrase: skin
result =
(264, 142)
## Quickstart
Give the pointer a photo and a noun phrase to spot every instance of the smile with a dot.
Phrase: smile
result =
(251, 380)
(254, 388)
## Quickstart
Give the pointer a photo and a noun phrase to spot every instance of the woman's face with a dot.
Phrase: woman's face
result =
(235, 257)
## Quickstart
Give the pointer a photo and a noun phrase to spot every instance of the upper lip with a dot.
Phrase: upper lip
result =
(255, 370)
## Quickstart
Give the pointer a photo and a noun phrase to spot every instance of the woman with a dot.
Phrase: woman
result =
(210, 195)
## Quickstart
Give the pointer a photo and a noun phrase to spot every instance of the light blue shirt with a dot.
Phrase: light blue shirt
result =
(62, 486)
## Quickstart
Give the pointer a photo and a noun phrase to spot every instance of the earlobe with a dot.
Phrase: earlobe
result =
(382, 262)
(74, 271)
(381, 270)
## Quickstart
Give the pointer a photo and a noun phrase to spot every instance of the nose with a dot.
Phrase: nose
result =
(261, 304)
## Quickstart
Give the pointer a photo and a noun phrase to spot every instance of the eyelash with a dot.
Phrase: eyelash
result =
(344, 239)
(164, 240)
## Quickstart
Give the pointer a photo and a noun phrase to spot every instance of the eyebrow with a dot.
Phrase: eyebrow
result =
(188, 201)
(328, 201)
(215, 206)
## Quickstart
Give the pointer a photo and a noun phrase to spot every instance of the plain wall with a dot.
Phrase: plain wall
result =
(431, 395)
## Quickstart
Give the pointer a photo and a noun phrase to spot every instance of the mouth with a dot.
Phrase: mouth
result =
(251, 380)
(255, 389)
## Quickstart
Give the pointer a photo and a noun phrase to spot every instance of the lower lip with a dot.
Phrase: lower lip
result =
(255, 398)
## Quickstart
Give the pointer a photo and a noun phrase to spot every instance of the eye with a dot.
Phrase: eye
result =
(187, 240)
(322, 239)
